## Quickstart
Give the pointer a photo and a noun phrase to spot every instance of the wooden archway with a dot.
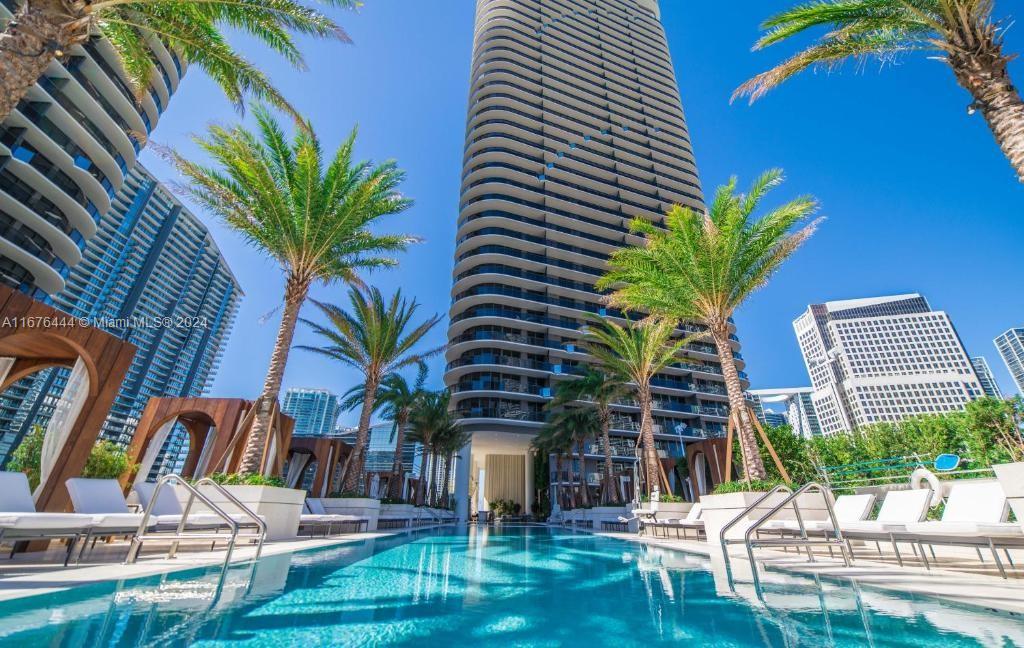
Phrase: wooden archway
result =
(228, 419)
(37, 337)
(328, 453)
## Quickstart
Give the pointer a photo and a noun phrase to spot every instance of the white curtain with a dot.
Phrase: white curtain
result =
(153, 450)
(296, 466)
(5, 368)
(65, 414)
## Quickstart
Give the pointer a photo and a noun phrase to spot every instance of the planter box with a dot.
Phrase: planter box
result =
(718, 510)
(673, 510)
(280, 507)
(399, 512)
(1011, 478)
(364, 507)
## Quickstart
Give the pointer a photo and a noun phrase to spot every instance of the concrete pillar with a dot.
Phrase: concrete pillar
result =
(463, 465)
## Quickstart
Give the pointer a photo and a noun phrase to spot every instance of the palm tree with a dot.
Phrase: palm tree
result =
(377, 338)
(634, 354)
(312, 218)
(429, 419)
(556, 440)
(449, 441)
(577, 424)
(602, 390)
(962, 33)
(44, 30)
(395, 399)
(701, 267)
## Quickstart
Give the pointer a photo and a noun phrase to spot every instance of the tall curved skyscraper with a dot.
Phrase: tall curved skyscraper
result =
(574, 128)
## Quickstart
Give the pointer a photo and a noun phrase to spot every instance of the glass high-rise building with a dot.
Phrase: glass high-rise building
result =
(1011, 348)
(985, 377)
(574, 128)
(152, 275)
(315, 411)
(65, 151)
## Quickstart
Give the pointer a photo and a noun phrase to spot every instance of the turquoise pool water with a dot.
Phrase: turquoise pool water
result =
(508, 587)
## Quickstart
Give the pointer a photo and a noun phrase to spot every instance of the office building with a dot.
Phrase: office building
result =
(1011, 348)
(883, 359)
(315, 411)
(65, 152)
(796, 409)
(153, 276)
(574, 128)
(988, 382)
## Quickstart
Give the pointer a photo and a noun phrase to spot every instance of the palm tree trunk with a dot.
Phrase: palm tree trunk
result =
(753, 466)
(358, 463)
(983, 72)
(29, 43)
(252, 457)
(584, 490)
(421, 485)
(397, 470)
(652, 474)
(609, 486)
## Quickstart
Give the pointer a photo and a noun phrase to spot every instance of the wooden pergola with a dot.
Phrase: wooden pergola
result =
(218, 430)
(329, 454)
(33, 337)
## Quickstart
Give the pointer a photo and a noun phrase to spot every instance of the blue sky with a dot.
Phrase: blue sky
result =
(917, 196)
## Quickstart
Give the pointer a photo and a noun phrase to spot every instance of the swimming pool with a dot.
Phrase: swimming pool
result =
(527, 586)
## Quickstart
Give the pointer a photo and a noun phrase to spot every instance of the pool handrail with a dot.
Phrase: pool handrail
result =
(731, 523)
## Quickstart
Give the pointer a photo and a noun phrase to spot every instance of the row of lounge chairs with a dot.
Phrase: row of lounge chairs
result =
(101, 511)
(975, 516)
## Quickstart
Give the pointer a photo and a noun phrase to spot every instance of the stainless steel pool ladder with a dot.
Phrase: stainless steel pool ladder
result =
(181, 533)
(830, 537)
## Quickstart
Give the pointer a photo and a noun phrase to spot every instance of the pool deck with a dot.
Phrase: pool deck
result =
(969, 584)
(31, 574)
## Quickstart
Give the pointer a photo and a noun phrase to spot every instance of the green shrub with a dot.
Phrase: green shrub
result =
(502, 507)
(346, 495)
(106, 461)
(238, 479)
(755, 485)
(27, 457)
(668, 498)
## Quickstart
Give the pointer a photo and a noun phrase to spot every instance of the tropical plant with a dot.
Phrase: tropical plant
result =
(395, 399)
(702, 267)
(576, 425)
(375, 336)
(962, 33)
(556, 440)
(602, 390)
(312, 218)
(107, 460)
(242, 479)
(634, 354)
(449, 440)
(756, 485)
(27, 457)
(44, 30)
(429, 419)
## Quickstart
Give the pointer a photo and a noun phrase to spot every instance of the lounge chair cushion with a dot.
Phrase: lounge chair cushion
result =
(167, 503)
(44, 521)
(977, 529)
(115, 521)
(96, 496)
(871, 527)
(905, 506)
(976, 502)
(15, 495)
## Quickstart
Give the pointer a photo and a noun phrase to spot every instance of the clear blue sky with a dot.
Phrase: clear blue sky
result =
(916, 194)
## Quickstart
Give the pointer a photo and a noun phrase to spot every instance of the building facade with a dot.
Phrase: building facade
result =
(883, 359)
(797, 409)
(153, 276)
(1011, 349)
(315, 411)
(65, 152)
(574, 128)
(984, 373)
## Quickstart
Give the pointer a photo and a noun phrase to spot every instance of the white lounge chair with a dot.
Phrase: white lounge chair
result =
(20, 521)
(318, 518)
(691, 521)
(103, 500)
(168, 511)
(847, 508)
(975, 516)
(899, 508)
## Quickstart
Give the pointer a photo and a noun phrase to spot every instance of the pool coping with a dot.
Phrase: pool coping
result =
(977, 591)
(52, 578)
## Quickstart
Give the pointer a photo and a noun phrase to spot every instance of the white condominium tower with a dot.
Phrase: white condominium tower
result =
(798, 407)
(315, 411)
(883, 359)
(574, 128)
(1011, 348)
(988, 382)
